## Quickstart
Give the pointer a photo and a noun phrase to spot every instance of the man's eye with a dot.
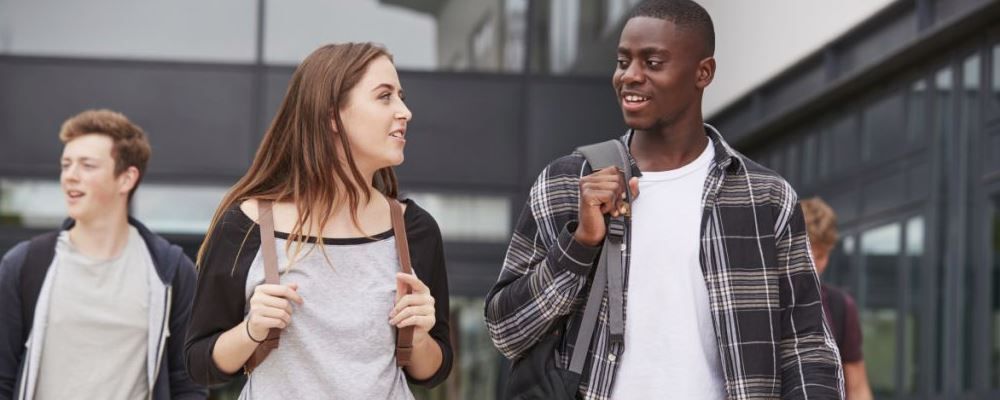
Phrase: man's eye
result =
(622, 63)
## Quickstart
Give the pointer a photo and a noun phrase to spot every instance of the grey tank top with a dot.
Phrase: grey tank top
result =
(339, 344)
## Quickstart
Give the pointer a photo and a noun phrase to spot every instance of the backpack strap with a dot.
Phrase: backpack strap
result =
(265, 218)
(602, 155)
(404, 336)
(609, 267)
(41, 252)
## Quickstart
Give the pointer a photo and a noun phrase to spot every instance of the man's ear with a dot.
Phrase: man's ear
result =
(128, 179)
(706, 72)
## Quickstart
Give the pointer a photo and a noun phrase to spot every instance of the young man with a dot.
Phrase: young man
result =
(721, 297)
(841, 311)
(97, 310)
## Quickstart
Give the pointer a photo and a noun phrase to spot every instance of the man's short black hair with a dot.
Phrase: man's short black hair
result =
(684, 13)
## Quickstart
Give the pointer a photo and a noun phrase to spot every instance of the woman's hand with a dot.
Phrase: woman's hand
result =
(271, 307)
(415, 309)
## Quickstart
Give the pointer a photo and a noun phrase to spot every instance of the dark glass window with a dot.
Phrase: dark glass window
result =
(995, 82)
(995, 298)
(968, 122)
(884, 128)
(880, 250)
(916, 114)
(841, 146)
(810, 158)
(913, 316)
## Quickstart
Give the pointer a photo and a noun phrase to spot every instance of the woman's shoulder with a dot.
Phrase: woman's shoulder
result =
(233, 224)
(246, 207)
(419, 222)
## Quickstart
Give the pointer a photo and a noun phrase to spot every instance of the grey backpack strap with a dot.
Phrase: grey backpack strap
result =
(609, 271)
(590, 312)
(610, 153)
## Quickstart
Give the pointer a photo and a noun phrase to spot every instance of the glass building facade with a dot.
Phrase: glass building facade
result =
(897, 125)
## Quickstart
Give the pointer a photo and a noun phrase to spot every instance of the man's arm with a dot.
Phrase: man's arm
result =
(545, 268)
(810, 362)
(857, 381)
(11, 338)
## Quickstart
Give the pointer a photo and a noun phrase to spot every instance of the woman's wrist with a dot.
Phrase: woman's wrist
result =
(250, 335)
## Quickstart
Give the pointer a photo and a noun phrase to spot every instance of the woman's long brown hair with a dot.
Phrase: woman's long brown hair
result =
(298, 158)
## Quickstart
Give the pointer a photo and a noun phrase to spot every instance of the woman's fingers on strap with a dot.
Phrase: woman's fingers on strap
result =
(413, 282)
(287, 291)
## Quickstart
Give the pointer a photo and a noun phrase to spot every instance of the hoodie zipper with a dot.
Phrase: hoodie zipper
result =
(163, 338)
(26, 372)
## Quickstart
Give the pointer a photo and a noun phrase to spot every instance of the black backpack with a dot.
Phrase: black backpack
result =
(535, 375)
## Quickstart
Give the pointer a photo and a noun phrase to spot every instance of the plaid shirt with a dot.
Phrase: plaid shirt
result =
(763, 290)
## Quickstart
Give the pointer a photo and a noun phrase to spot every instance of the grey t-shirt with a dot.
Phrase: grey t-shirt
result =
(339, 344)
(98, 323)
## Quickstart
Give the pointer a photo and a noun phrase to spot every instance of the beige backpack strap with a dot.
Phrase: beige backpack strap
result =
(404, 336)
(265, 218)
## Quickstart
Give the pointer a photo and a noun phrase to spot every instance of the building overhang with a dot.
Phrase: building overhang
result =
(432, 7)
(903, 34)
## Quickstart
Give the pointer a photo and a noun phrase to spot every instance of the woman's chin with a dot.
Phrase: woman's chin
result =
(396, 160)
(390, 162)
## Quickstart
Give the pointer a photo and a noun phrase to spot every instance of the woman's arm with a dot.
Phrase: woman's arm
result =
(432, 356)
(417, 310)
(270, 307)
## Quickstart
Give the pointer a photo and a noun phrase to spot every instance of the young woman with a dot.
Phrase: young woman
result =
(325, 163)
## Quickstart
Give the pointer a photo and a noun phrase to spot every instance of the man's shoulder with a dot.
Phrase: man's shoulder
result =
(45, 243)
(761, 174)
(775, 188)
(570, 164)
(834, 296)
(13, 259)
(169, 259)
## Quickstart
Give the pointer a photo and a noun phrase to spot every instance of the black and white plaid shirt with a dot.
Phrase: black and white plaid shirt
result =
(763, 290)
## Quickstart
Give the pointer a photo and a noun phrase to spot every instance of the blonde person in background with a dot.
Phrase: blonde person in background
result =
(841, 311)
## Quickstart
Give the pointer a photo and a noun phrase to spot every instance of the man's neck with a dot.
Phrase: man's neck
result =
(103, 239)
(669, 147)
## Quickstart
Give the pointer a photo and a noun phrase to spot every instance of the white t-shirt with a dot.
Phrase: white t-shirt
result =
(98, 325)
(670, 346)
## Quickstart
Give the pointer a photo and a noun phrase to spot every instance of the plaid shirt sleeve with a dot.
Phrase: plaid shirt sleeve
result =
(545, 269)
(810, 363)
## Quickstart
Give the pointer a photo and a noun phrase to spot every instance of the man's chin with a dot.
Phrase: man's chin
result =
(639, 124)
(78, 212)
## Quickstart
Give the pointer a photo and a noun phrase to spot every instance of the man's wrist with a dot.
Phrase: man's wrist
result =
(586, 240)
